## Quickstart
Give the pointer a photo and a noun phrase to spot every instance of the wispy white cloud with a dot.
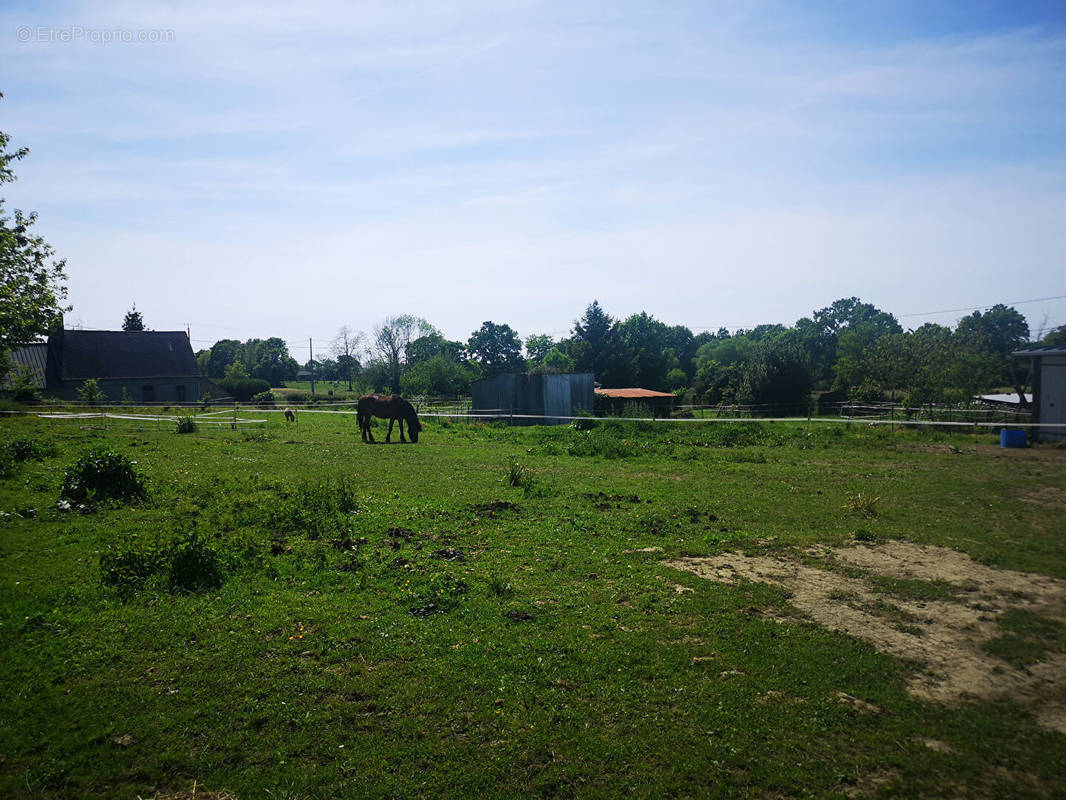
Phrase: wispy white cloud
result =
(514, 160)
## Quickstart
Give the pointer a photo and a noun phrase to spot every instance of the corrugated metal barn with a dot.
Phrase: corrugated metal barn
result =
(33, 358)
(552, 397)
(1049, 389)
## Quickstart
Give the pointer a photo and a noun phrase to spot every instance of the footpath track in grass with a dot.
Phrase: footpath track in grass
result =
(291, 611)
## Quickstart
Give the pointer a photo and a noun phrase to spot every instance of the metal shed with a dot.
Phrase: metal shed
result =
(32, 358)
(552, 398)
(1049, 390)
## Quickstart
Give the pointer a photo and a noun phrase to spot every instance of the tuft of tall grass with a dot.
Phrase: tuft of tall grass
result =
(863, 504)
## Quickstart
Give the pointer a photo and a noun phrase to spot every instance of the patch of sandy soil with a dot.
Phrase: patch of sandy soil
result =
(945, 635)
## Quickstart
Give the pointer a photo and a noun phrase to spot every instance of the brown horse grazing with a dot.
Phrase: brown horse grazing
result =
(391, 407)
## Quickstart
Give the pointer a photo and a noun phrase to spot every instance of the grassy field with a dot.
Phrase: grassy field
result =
(488, 613)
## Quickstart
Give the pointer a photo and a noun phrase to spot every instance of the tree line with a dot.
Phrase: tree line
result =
(849, 349)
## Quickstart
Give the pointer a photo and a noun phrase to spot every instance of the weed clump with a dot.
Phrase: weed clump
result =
(185, 565)
(186, 425)
(516, 474)
(498, 587)
(103, 474)
(22, 448)
(438, 595)
(862, 504)
(194, 566)
(317, 509)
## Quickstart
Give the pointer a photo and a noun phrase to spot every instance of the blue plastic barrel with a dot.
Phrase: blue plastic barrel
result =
(1011, 438)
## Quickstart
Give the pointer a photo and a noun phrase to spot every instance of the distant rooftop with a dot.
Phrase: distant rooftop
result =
(1011, 398)
(1041, 350)
(632, 394)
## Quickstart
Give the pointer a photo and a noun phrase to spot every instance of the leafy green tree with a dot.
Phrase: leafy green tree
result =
(438, 376)
(555, 362)
(32, 284)
(996, 334)
(682, 341)
(133, 320)
(273, 363)
(1055, 338)
(676, 379)
(433, 344)
(849, 324)
(927, 365)
(326, 369)
(223, 353)
(236, 371)
(496, 348)
(376, 376)
(647, 341)
(596, 347)
(391, 338)
(203, 359)
(778, 374)
(537, 346)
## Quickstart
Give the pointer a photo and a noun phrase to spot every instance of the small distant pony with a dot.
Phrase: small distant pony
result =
(391, 407)
(290, 415)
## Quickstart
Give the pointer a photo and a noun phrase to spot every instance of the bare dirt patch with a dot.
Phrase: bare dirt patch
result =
(946, 635)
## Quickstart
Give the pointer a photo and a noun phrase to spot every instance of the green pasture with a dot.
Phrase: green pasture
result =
(483, 613)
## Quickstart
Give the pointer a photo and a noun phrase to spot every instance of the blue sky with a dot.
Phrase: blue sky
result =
(285, 169)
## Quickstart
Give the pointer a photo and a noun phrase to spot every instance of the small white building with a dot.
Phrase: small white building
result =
(1049, 390)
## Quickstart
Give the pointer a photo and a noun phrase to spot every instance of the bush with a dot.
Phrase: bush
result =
(90, 392)
(243, 389)
(24, 385)
(25, 448)
(194, 566)
(103, 475)
(130, 568)
(186, 425)
(264, 398)
(185, 565)
(584, 422)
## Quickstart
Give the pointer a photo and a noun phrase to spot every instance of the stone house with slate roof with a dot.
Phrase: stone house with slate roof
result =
(152, 366)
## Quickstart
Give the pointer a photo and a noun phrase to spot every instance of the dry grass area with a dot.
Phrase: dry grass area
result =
(946, 629)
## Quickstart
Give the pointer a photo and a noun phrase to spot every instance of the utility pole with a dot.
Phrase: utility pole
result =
(311, 363)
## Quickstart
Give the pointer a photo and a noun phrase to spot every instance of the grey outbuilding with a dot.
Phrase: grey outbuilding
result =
(1049, 390)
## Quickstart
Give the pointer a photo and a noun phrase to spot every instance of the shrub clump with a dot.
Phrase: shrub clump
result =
(103, 474)
(186, 425)
(22, 448)
(317, 509)
(187, 564)
(243, 389)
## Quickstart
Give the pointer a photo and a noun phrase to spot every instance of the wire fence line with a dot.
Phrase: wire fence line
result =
(226, 417)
